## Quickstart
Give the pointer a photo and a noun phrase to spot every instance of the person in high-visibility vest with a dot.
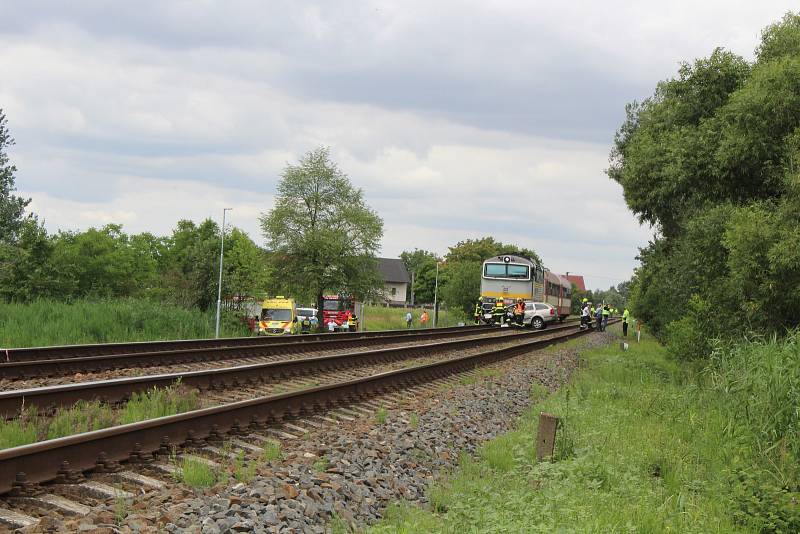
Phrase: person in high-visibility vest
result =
(478, 310)
(606, 312)
(499, 311)
(305, 325)
(352, 322)
(625, 315)
(519, 312)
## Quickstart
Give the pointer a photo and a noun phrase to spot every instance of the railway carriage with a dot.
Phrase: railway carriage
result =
(510, 277)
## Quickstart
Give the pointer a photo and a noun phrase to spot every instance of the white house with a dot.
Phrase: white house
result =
(396, 281)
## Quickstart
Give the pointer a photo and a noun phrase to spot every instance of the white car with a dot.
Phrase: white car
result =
(539, 314)
(302, 313)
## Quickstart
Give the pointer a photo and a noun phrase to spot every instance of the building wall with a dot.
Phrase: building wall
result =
(395, 292)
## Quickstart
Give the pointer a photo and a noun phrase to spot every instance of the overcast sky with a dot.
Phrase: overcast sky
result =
(457, 119)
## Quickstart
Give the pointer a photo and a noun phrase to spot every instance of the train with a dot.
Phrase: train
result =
(510, 277)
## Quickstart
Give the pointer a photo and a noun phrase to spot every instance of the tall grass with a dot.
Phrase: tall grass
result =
(645, 446)
(47, 322)
(384, 318)
(85, 416)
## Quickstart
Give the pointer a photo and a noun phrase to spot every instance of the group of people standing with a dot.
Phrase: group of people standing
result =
(601, 314)
(498, 312)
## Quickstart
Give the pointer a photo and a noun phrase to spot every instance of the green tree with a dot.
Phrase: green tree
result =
(711, 160)
(12, 207)
(484, 248)
(321, 233)
(461, 285)
(423, 264)
(246, 273)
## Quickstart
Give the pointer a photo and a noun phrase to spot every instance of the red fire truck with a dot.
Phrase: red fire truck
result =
(338, 308)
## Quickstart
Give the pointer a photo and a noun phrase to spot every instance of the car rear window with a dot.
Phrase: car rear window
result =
(542, 306)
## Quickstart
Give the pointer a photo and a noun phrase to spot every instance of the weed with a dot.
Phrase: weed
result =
(159, 402)
(120, 507)
(83, 416)
(413, 421)
(381, 415)
(539, 392)
(197, 474)
(243, 471)
(272, 451)
(321, 464)
(468, 380)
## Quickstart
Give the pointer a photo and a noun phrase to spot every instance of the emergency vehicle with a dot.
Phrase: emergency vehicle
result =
(278, 317)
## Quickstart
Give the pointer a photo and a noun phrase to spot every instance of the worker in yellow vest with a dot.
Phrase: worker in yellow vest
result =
(352, 322)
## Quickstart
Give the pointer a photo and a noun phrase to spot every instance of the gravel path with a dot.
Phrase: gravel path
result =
(353, 471)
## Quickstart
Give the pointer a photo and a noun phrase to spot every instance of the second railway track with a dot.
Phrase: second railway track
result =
(47, 398)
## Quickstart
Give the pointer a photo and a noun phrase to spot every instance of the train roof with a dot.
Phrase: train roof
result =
(512, 258)
(554, 278)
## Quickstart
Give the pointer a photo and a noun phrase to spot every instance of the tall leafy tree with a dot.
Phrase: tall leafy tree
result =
(322, 235)
(12, 207)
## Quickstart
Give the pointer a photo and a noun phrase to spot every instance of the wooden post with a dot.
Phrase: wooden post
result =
(546, 440)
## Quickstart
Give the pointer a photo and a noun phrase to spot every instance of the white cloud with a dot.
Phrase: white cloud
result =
(458, 120)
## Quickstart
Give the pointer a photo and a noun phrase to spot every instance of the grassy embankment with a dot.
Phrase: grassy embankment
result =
(646, 446)
(59, 323)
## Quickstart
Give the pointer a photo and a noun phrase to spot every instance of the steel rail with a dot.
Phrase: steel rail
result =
(105, 349)
(84, 364)
(20, 467)
(120, 389)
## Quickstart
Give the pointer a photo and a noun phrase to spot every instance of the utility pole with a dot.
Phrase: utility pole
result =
(219, 286)
(412, 289)
(436, 297)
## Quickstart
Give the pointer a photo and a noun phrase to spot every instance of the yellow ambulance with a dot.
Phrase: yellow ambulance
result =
(278, 317)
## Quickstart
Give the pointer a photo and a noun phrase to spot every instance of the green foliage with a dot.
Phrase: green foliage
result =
(478, 250)
(711, 160)
(462, 285)
(423, 264)
(691, 336)
(323, 232)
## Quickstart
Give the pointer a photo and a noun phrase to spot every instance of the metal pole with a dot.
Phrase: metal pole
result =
(436, 297)
(219, 285)
(412, 289)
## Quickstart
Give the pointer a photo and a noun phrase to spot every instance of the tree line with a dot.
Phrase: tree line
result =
(712, 161)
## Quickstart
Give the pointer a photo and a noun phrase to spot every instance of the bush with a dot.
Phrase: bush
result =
(690, 337)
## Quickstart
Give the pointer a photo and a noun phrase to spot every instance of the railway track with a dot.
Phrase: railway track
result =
(42, 462)
(66, 366)
(107, 349)
(27, 471)
(242, 376)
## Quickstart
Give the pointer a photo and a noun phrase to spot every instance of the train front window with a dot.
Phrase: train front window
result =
(518, 271)
(495, 270)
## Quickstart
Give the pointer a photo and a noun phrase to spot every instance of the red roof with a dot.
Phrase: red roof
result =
(577, 280)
